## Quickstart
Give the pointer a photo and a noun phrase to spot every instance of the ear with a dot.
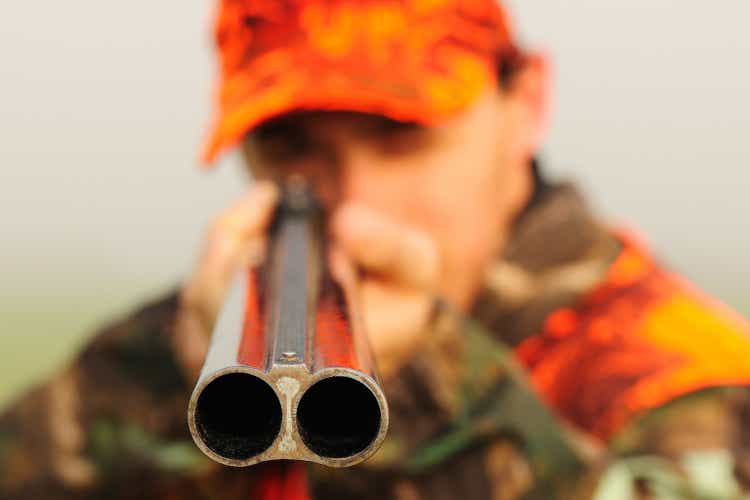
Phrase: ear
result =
(529, 93)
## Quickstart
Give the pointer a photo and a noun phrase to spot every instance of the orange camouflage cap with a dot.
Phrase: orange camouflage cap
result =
(409, 60)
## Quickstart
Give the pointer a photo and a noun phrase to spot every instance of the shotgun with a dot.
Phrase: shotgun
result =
(289, 373)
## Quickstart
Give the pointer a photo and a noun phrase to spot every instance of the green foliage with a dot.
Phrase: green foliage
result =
(109, 442)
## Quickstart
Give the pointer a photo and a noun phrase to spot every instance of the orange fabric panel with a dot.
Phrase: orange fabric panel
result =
(640, 339)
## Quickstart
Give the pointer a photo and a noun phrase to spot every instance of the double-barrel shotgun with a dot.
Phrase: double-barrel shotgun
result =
(289, 373)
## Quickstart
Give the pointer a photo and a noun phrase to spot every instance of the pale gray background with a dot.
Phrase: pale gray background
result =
(103, 105)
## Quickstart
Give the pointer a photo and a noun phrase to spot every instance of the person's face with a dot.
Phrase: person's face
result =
(462, 182)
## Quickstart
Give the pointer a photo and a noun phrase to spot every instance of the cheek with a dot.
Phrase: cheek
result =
(459, 204)
(442, 196)
(472, 208)
(455, 194)
(464, 224)
(469, 228)
(469, 194)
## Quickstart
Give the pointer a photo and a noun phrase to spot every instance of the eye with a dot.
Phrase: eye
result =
(286, 149)
(400, 138)
(252, 21)
(282, 142)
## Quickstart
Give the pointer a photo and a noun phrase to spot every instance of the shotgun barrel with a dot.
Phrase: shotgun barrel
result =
(289, 373)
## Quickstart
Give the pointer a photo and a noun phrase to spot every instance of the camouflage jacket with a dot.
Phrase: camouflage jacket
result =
(586, 370)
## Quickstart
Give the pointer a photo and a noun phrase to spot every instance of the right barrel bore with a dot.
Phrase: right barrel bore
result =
(338, 417)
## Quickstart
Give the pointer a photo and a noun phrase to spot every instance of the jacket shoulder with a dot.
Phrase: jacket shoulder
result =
(639, 340)
(114, 413)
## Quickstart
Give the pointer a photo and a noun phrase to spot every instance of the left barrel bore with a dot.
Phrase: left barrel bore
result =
(238, 415)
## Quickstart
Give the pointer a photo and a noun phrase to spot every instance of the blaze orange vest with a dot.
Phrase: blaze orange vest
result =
(640, 339)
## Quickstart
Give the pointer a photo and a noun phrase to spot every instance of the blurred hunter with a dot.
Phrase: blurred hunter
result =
(528, 349)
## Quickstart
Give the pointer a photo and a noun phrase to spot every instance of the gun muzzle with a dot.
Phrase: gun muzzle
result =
(289, 373)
